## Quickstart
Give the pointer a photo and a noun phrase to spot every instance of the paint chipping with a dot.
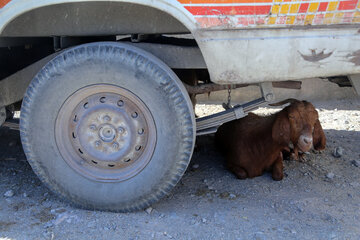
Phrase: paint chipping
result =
(354, 58)
(315, 57)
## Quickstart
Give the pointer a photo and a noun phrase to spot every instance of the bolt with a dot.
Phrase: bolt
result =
(97, 143)
(134, 115)
(92, 127)
(120, 103)
(140, 131)
(269, 96)
(115, 145)
(107, 118)
(121, 130)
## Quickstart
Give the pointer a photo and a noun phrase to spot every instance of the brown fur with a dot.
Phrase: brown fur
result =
(254, 144)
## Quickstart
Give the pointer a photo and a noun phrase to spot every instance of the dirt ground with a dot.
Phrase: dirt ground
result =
(318, 199)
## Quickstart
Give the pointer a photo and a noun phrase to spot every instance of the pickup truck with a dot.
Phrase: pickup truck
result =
(106, 88)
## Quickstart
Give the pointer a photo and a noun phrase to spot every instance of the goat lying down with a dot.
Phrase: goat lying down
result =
(254, 144)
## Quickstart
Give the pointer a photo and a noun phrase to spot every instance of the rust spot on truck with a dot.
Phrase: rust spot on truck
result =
(354, 57)
(315, 57)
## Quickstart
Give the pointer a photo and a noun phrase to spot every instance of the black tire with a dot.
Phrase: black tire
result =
(138, 72)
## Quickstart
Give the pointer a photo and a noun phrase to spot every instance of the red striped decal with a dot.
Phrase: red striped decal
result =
(347, 5)
(222, 1)
(323, 6)
(303, 8)
(3, 3)
(255, 13)
(231, 10)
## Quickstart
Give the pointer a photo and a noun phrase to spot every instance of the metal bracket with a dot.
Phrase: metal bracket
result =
(267, 91)
(355, 82)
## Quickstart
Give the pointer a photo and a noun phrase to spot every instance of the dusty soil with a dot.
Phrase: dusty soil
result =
(318, 199)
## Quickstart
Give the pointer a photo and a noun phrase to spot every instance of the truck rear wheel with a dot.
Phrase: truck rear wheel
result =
(107, 126)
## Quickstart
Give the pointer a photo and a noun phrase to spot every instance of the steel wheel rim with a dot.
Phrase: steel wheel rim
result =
(105, 133)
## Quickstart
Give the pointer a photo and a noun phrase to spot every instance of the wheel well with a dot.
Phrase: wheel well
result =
(93, 19)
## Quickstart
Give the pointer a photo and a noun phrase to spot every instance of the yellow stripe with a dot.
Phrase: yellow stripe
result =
(356, 17)
(328, 18)
(338, 17)
(313, 7)
(294, 8)
(271, 20)
(290, 20)
(285, 9)
(332, 6)
(309, 19)
(275, 9)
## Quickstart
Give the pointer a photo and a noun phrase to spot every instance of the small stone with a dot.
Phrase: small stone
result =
(356, 163)
(61, 218)
(203, 220)
(232, 196)
(12, 143)
(9, 193)
(25, 194)
(346, 122)
(149, 210)
(195, 166)
(338, 152)
(330, 175)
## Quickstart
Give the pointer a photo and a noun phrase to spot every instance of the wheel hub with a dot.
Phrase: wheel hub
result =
(105, 132)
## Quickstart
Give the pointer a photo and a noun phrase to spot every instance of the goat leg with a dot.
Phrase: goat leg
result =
(295, 154)
(278, 168)
(238, 171)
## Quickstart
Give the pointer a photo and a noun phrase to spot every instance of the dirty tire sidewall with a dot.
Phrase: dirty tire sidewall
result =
(130, 68)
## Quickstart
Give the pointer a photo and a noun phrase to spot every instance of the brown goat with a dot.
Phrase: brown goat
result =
(254, 144)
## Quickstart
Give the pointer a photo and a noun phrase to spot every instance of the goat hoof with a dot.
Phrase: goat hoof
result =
(278, 177)
(240, 173)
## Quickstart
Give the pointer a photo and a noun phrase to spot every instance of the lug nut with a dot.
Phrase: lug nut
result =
(120, 103)
(92, 127)
(121, 130)
(134, 115)
(115, 145)
(107, 118)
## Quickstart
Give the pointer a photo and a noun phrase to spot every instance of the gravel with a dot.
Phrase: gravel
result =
(356, 163)
(306, 204)
(338, 152)
(9, 193)
(149, 210)
(330, 175)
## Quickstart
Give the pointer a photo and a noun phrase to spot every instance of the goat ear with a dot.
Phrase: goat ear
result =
(319, 139)
(281, 129)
